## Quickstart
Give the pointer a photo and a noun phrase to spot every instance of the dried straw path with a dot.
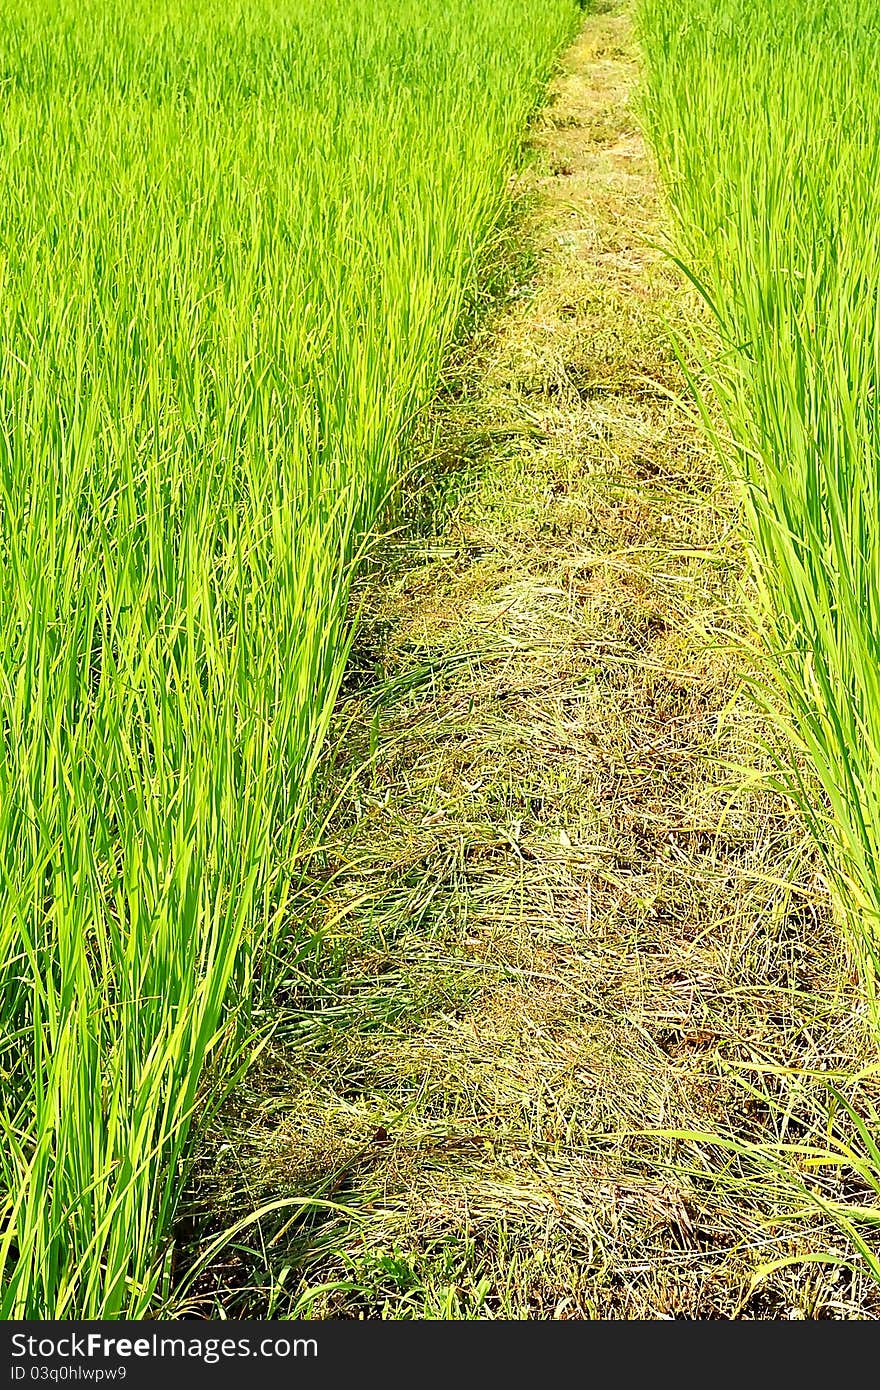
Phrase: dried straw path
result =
(559, 913)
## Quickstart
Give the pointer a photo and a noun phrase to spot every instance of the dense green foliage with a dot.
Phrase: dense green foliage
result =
(235, 239)
(765, 115)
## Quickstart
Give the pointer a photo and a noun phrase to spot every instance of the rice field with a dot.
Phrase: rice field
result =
(236, 241)
(765, 118)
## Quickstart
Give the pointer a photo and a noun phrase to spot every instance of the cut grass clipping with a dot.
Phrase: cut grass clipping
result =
(237, 239)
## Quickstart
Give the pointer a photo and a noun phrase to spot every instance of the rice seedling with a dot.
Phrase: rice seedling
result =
(235, 242)
(765, 117)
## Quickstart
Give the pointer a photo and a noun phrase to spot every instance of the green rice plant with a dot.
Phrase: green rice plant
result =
(765, 117)
(235, 241)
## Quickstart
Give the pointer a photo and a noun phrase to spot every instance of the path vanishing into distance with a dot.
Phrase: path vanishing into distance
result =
(562, 913)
